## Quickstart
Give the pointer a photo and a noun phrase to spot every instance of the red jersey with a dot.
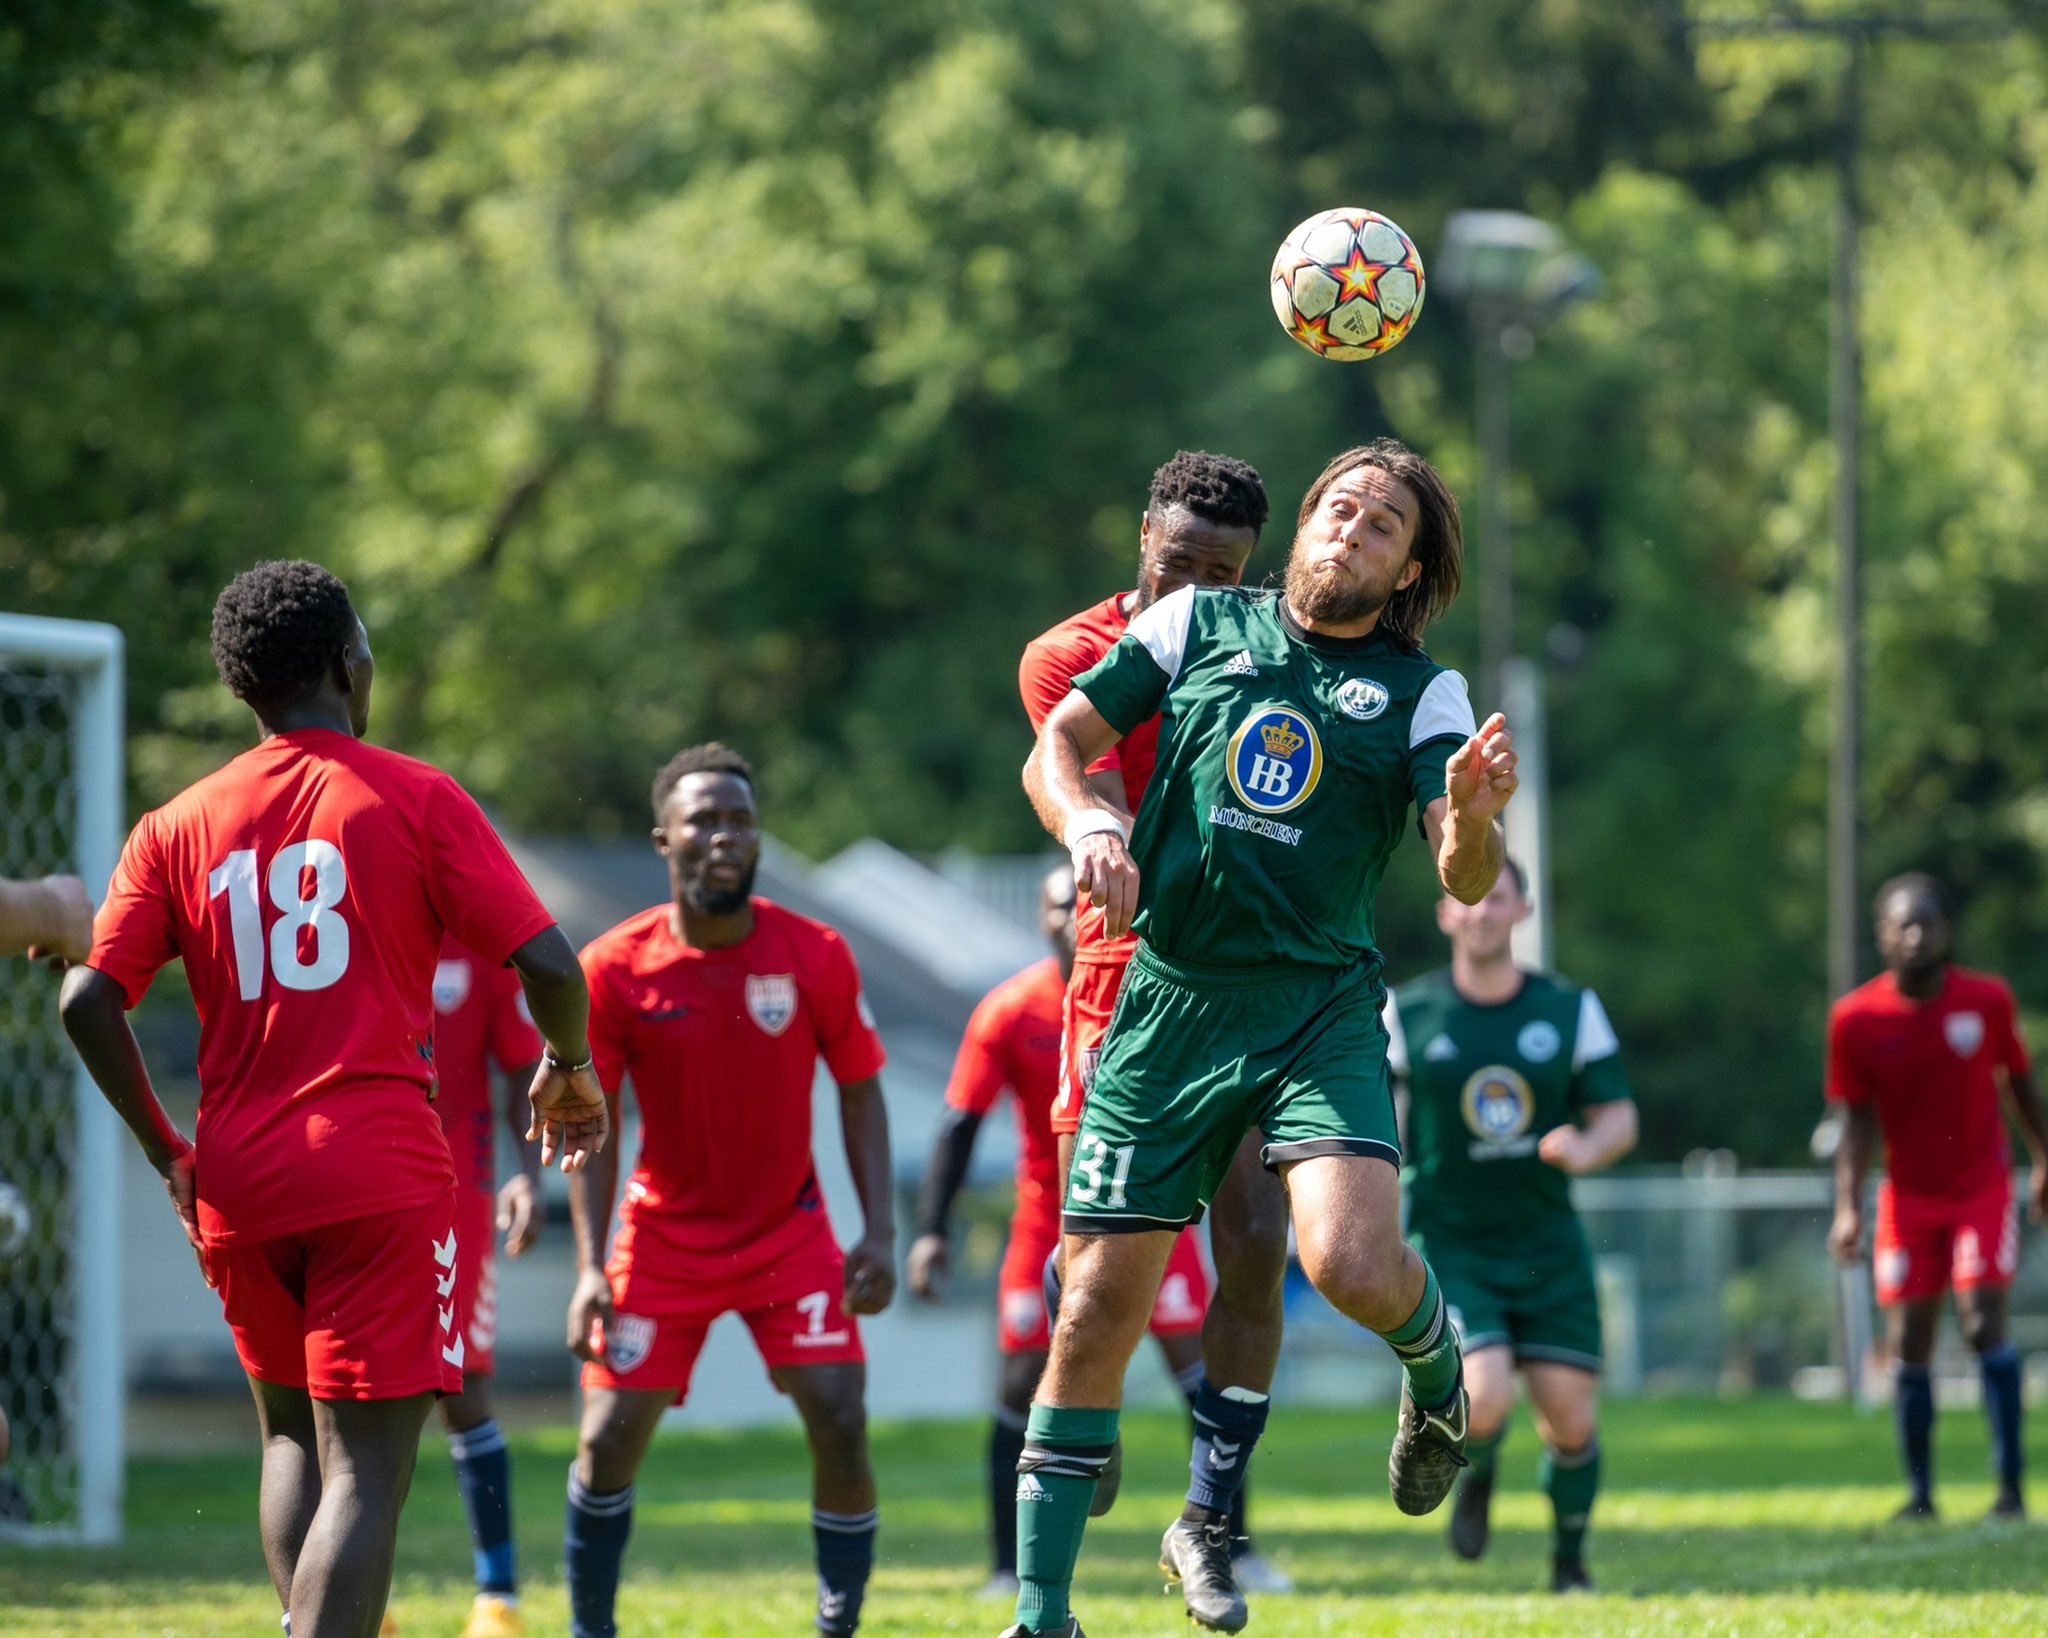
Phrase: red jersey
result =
(723, 1047)
(1013, 1043)
(307, 886)
(1929, 1068)
(1045, 676)
(480, 1021)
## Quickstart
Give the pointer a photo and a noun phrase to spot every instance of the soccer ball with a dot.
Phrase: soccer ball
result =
(1347, 283)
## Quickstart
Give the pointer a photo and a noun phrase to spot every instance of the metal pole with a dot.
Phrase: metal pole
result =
(1496, 567)
(1845, 891)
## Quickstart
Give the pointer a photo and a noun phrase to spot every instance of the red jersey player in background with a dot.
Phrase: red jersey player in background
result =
(306, 886)
(1013, 1045)
(1201, 524)
(1926, 1053)
(480, 1022)
(719, 1006)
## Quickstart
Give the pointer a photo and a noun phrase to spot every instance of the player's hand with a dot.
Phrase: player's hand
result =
(180, 1175)
(1107, 875)
(930, 1260)
(590, 1314)
(69, 912)
(1845, 1238)
(870, 1278)
(1562, 1147)
(519, 1214)
(1480, 776)
(570, 1115)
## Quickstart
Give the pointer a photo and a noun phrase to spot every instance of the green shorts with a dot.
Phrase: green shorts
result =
(1537, 1296)
(1197, 1057)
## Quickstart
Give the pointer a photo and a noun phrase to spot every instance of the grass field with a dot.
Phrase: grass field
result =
(1754, 1518)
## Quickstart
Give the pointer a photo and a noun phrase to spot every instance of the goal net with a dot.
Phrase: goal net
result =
(60, 1210)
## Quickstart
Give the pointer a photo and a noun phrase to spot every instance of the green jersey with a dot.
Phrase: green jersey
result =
(1484, 1084)
(1288, 762)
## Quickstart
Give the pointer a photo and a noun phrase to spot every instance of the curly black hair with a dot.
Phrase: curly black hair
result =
(277, 628)
(1220, 488)
(710, 757)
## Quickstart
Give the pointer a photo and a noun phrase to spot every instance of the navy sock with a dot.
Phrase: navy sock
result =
(2001, 1368)
(845, 1548)
(1913, 1402)
(1049, 1283)
(483, 1472)
(1228, 1422)
(1005, 1445)
(593, 1543)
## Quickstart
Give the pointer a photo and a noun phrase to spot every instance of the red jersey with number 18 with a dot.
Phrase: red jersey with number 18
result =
(307, 886)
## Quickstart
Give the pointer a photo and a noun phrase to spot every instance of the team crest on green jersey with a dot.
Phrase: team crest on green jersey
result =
(1362, 699)
(1275, 760)
(1498, 1106)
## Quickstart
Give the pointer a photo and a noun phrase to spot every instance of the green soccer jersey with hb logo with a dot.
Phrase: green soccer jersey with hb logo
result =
(1289, 765)
(1485, 1082)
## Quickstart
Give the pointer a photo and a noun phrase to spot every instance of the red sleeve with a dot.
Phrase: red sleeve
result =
(981, 1071)
(1845, 1077)
(610, 1026)
(2012, 1045)
(1045, 676)
(135, 935)
(477, 890)
(514, 1042)
(839, 1013)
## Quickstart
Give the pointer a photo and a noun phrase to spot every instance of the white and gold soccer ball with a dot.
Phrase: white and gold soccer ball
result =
(1347, 283)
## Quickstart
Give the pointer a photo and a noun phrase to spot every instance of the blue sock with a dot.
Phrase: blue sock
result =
(1228, 1422)
(2001, 1368)
(1049, 1282)
(845, 1547)
(483, 1472)
(1913, 1403)
(593, 1543)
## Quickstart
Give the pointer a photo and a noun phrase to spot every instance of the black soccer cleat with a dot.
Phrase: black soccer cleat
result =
(1429, 1449)
(1198, 1557)
(1568, 1575)
(1071, 1630)
(2010, 1507)
(1471, 1516)
(1918, 1510)
(1109, 1481)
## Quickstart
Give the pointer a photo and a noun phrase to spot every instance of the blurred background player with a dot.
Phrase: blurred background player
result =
(1925, 1054)
(1200, 527)
(1515, 1086)
(307, 887)
(719, 1005)
(480, 1022)
(1013, 1044)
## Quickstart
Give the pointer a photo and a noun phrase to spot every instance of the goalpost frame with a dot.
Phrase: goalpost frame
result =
(94, 653)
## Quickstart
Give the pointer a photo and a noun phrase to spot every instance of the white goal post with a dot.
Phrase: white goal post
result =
(61, 808)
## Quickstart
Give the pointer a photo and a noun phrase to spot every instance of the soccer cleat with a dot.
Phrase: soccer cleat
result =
(388, 1627)
(1071, 1630)
(493, 1615)
(1255, 1572)
(2011, 1505)
(1109, 1481)
(1001, 1585)
(1918, 1510)
(1568, 1575)
(1198, 1557)
(1429, 1448)
(1471, 1520)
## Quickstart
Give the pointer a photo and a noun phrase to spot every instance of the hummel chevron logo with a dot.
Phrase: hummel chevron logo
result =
(448, 1317)
(453, 1354)
(1240, 664)
(444, 1251)
(1223, 1454)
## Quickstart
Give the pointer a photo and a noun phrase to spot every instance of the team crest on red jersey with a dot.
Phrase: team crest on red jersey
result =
(771, 1000)
(1965, 1032)
(627, 1342)
(451, 983)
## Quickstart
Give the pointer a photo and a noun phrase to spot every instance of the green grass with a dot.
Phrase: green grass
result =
(1754, 1518)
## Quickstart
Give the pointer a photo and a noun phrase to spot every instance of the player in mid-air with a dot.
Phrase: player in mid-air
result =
(1013, 1045)
(719, 1006)
(1299, 729)
(1925, 1054)
(480, 1022)
(1515, 1086)
(1202, 519)
(307, 886)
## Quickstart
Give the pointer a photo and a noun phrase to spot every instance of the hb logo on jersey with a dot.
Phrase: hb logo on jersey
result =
(1275, 760)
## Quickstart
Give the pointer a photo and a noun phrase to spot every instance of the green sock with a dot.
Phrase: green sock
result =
(1428, 1347)
(1570, 1479)
(1479, 1454)
(1064, 1451)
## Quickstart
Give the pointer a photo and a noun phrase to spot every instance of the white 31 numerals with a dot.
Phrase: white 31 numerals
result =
(237, 880)
(1088, 1161)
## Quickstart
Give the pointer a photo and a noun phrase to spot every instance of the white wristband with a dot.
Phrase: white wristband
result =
(1092, 822)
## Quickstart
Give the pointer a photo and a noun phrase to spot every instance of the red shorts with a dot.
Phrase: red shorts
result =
(1180, 1308)
(1090, 1002)
(665, 1306)
(360, 1309)
(1925, 1244)
(476, 1280)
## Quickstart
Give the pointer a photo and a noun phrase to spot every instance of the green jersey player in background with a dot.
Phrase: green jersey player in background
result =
(1298, 730)
(1514, 1087)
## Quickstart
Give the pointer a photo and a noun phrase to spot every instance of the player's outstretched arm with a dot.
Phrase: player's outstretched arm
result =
(871, 1263)
(1095, 834)
(1853, 1156)
(1606, 1133)
(49, 919)
(570, 1115)
(1463, 823)
(952, 1152)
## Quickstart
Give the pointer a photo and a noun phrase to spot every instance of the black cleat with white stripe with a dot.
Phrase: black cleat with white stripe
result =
(1429, 1450)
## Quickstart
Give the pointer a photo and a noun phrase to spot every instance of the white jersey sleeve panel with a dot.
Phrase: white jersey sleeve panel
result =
(1163, 629)
(1445, 708)
(1397, 1042)
(1596, 1034)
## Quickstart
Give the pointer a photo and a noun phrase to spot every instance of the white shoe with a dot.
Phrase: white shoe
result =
(1002, 1585)
(1259, 1574)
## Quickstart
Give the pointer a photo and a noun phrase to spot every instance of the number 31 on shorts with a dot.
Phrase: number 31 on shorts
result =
(1090, 1157)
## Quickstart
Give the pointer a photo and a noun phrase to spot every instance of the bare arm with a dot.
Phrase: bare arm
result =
(48, 918)
(871, 1263)
(1853, 1156)
(1463, 824)
(1056, 779)
(519, 1204)
(593, 1188)
(2023, 1103)
(952, 1152)
(1605, 1133)
(569, 1114)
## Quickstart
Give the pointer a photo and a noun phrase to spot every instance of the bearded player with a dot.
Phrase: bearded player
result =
(1013, 1045)
(1925, 1054)
(1515, 1087)
(1201, 524)
(307, 887)
(1300, 728)
(719, 1006)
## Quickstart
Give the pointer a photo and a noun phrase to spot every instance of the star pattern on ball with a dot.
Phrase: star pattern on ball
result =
(1359, 277)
